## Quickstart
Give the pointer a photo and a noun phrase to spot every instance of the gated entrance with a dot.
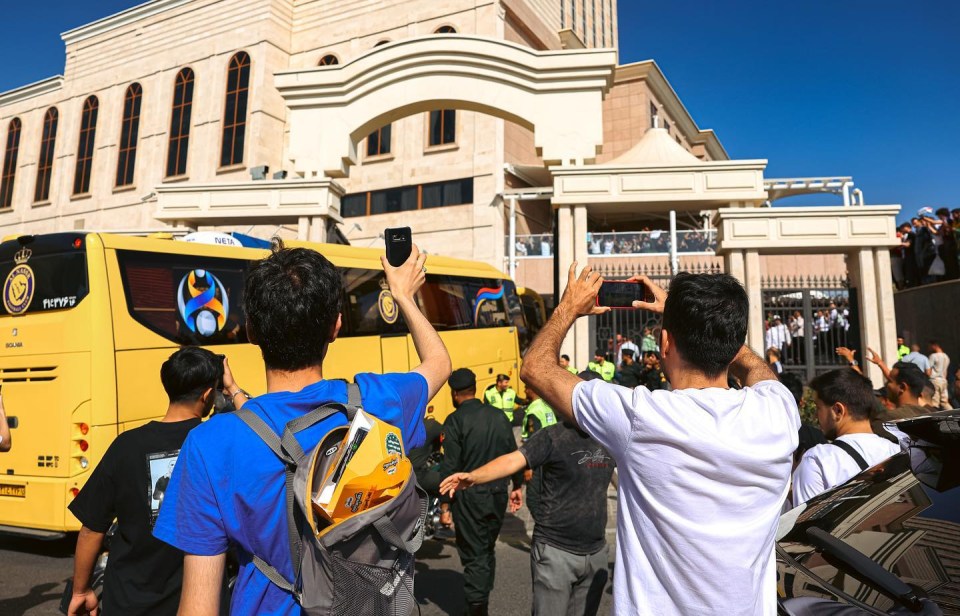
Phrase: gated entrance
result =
(818, 314)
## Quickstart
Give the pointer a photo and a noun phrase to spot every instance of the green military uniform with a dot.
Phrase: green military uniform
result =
(475, 434)
(607, 370)
(541, 413)
(505, 401)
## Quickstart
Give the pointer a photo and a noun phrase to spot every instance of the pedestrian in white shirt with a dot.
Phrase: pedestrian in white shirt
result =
(704, 469)
(778, 336)
(939, 364)
(844, 400)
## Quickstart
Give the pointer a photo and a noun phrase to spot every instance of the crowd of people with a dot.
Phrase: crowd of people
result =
(647, 241)
(928, 250)
(785, 337)
(686, 421)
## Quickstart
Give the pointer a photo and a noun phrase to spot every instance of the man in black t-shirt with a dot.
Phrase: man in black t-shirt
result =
(143, 575)
(630, 373)
(568, 558)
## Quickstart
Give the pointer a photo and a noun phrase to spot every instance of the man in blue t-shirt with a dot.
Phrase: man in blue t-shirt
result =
(227, 489)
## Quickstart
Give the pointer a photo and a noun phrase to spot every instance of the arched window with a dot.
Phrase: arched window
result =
(9, 173)
(235, 110)
(442, 126)
(88, 134)
(129, 131)
(180, 123)
(328, 60)
(45, 164)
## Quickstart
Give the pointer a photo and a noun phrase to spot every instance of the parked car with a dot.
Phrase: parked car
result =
(885, 542)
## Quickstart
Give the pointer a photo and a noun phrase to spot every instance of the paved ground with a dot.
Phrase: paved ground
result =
(33, 573)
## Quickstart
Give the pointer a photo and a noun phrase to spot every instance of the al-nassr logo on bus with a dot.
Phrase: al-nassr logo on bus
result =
(20, 285)
(387, 305)
(203, 302)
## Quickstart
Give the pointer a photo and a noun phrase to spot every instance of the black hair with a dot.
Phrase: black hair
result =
(943, 211)
(502, 377)
(292, 300)
(912, 376)
(190, 372)
(706, 314)
(794, 383)
(589, 375)
(849, 387)
(565, 356)
(599, 353)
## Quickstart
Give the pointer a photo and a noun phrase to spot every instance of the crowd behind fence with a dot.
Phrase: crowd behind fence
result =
(647, 242)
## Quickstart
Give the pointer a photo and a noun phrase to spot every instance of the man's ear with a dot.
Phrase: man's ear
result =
(839, 410)
(207, 397)
(335, 331)
(666, 342)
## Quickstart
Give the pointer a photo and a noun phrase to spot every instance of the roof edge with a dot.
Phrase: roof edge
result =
(117, 20)
(650, 71)
(31, 90)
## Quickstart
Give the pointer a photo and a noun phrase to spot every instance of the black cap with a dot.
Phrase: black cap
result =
(462, 378)
(627, 352)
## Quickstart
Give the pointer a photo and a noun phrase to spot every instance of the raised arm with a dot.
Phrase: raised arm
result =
(404, 283)
(540, 369)
(875, 358)
(498, 468)
(749, 368)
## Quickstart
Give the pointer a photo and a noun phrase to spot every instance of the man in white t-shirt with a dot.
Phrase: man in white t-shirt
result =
(844, 400)
(704, 469)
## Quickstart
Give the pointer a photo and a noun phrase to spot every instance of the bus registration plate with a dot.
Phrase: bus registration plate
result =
(8, 489)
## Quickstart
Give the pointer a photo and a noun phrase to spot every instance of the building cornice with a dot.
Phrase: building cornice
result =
(37, 88)
(649, 71)
(118, 20)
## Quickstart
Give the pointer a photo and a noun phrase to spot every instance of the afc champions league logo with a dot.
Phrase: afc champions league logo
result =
(203, 302)
(20, 285)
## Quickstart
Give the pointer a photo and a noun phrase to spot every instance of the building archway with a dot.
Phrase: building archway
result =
(556, 94)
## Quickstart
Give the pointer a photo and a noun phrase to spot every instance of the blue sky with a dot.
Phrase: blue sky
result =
(868, 88)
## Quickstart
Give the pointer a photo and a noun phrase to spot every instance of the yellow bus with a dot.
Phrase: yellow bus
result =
(88, 319)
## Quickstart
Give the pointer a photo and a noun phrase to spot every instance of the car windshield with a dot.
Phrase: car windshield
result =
(903, 514)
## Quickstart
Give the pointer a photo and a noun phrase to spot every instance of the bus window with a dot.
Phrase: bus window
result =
(369, 309)
(49, 273)
(187, 299)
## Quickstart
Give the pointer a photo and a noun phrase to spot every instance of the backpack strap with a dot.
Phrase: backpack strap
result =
(852, 453)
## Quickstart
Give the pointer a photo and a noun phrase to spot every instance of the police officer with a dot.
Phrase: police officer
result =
(538, 415)
(502, 396)
(606, 369)
(474, 434)
(565, 363)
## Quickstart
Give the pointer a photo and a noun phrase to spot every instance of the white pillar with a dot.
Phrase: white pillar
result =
(674, 261)
(864, 276)
(512, 244)
(885, 306)
(303, 228)
(733, 263)
(846, 193)
(565, 257)
(318, 229)
(752, 283)
(581, 329)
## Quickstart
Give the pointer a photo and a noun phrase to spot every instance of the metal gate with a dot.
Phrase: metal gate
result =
(820, 315)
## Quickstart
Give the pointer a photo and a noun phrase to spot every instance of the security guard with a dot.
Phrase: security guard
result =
(502, 396)
(538, 415)
(606, 369)
(474, 434)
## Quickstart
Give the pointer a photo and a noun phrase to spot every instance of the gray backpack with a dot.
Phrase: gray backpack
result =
(362, 565)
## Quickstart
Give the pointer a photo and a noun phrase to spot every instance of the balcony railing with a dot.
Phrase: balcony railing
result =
(626, 243)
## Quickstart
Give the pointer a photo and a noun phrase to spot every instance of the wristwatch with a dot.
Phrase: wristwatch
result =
(240, 391)
(854, 363)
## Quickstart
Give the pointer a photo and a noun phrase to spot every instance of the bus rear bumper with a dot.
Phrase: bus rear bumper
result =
(31, 533)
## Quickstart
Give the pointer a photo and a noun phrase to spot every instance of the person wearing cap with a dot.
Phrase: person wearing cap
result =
(474, 434)
(538, 415)
(568, 555)
(501, 396)
(601, 366)
(630, 373)
(778, 336)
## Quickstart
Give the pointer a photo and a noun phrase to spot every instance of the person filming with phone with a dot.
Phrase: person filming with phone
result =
(704, 469)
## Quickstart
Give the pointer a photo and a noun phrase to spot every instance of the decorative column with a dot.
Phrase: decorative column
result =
(565, 257)
(752, 282)
(885, 306)
(863, 276)
(582, 328)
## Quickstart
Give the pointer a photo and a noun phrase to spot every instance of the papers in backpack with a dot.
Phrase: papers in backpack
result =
(369, 469)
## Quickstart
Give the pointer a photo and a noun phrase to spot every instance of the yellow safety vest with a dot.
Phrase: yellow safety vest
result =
(542, 411)
(572, 370)
(607, 370)
(505, 401)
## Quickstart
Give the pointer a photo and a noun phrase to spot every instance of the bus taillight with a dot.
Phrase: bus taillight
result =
(84, 428)
(74, 492)
(84, 445)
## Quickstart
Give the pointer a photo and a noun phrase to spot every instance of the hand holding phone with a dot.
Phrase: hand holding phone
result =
(638, 292)
(399, 243)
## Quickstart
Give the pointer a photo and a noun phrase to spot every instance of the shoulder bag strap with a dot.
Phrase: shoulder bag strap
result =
(852, 453)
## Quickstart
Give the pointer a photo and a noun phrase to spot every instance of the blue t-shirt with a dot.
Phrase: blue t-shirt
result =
(227, 488)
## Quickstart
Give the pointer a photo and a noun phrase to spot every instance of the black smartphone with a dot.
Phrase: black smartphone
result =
(399, 245)
(622, 294)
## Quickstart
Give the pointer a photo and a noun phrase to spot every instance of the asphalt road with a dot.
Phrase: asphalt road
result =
(33, 573)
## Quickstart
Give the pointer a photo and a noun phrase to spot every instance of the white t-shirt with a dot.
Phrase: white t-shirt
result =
(825, 466)
(703, 475)
(939, 363)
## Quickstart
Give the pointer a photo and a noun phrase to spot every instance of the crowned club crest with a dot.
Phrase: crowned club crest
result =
(20, 285)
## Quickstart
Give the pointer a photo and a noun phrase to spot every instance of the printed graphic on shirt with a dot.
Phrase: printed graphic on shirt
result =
(159, 470)
(593, 458)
